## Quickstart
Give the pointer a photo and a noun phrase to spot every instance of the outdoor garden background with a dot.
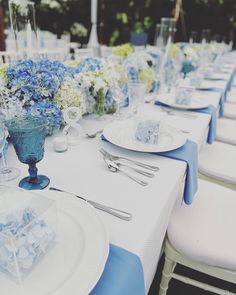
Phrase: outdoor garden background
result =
(116, 19)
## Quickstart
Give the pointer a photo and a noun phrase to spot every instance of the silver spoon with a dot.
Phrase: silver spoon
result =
(113, 167)
(142, 172)
(93, 135)
(115, 158)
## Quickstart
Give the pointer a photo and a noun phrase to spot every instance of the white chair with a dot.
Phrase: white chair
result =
(230, 111)
(202, 237)
(217, 163)
(8, 57)
(84, 52)
(50, 54)
(226, 131)
(106, 50)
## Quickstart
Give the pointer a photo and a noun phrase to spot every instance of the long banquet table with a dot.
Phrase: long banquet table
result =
(82, 170)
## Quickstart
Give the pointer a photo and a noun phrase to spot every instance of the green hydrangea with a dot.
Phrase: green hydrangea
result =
(3, 73)
(123, 50)
(147, 76)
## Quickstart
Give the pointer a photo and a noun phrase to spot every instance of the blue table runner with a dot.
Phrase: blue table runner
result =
(123, 274)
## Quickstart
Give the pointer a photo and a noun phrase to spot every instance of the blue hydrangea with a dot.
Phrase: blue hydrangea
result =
(187, 67)
(32, 81)
(48, 110)
(133, 74)
(90, 64)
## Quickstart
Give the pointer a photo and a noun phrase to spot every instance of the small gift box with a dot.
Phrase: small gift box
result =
(28, 224)
(148, 131)
(183, 96)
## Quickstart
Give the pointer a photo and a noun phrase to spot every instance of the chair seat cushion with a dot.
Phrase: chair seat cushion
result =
(205, 230)
(230, 110)
(226, 131)
(218, 160)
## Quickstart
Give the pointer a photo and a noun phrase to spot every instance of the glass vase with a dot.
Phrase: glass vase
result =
(23, 24)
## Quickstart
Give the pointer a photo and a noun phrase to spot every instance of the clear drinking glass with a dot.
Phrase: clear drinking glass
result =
(119, 96)
(6, 173)
(136, 92)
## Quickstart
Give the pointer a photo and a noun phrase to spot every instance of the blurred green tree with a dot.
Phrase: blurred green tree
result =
(118, 18)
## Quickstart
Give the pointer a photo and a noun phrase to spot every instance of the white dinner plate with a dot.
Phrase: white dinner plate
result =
(196, 103)
(214, 78)
(74, 265)
(121, 133)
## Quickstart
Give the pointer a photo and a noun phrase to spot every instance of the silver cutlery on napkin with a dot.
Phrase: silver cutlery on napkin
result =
(113, 211)
(117, 158)
(179, 113)
(113, 167)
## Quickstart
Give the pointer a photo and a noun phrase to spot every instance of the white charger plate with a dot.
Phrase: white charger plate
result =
(122, 134)
(196, 103)
(74, 265)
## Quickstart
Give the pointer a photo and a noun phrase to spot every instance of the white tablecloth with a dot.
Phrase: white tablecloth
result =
(82, 170)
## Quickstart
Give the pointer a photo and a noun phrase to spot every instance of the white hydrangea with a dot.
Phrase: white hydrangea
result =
(70, 95)
(190, 54)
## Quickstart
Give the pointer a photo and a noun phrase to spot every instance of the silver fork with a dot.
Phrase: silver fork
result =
(140, 164)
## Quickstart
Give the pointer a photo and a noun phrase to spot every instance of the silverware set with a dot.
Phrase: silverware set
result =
(122, 164)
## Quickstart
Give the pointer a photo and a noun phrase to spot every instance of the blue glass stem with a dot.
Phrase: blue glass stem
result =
(33, 172)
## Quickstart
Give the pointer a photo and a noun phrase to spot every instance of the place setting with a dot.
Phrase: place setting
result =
(155, 137)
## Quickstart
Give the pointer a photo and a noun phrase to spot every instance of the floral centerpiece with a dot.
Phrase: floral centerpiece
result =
(96, 78)
(191, 58)
(44, 88)
(140, 65)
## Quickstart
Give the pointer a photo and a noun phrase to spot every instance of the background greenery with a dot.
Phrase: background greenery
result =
(118, 18)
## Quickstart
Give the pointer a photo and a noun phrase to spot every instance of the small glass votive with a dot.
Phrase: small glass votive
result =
(60, 143)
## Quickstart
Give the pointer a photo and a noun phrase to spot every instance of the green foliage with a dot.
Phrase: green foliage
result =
(120, 17)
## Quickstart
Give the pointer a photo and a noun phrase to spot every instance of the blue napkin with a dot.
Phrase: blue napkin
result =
(230, 83)
(209, 110)
(222, 98)
(123, 274)
(189, 154)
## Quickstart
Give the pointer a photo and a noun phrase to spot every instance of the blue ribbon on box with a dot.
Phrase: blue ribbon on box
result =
(189, 154)
(123, 274)
(209, 110)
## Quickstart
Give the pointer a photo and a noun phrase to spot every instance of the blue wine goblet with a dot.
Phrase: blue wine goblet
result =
(28, 137)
